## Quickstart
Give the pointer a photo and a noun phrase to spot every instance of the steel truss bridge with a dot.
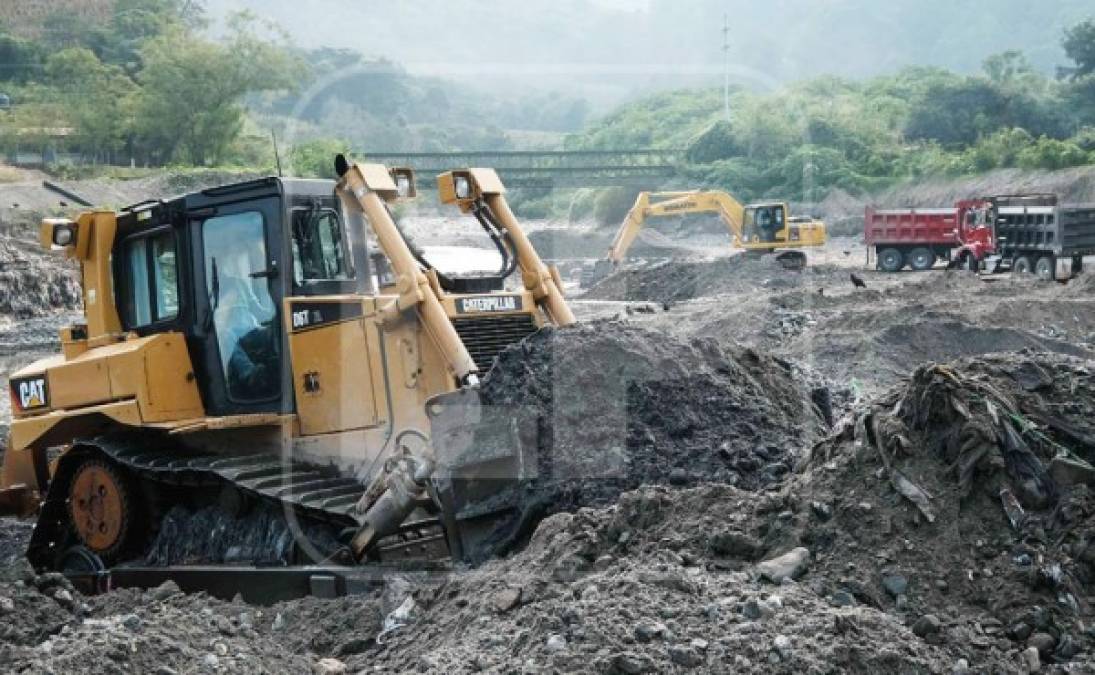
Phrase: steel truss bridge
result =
(544, 169)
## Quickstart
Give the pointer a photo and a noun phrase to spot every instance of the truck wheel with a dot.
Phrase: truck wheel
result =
(890, 260)
(1046, 268)
(921, 259)
(1022, 265)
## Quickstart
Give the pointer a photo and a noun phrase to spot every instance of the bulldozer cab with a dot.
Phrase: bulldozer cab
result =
(216, 267)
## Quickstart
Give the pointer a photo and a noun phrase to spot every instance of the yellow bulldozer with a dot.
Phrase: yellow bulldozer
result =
(244, 352)
(763, 228)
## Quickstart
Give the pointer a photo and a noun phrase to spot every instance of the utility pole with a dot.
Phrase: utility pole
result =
(726, 65)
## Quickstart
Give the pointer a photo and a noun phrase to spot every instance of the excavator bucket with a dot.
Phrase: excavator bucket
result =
(484, 455)
(792, 260)
(594, 275)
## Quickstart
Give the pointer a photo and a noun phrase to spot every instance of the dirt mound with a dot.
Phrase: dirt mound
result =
(1076, 185)
(675, 281)
(948, 526)
(610, 407)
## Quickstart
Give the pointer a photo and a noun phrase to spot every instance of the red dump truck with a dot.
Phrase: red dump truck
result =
(916, 238)
(1027, 234)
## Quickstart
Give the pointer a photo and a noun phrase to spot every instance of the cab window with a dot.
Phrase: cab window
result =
(152, 288)
(319, 247)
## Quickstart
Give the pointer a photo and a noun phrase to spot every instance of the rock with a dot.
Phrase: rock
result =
(556, 643)
(1032, 662)
(506, 599)
(842, 599)
(647, 631)
(699, 644)
(1068, 471)
(734, 545)
(782, 647)
(790, 565)
(822, 510)
(567, 568)
(929, 624)
(6, 605)
(1044, 642)
(131, 622)
(901, 603)
(165, 670)
(685, 655)
(678, 477)
(1020, 631)
(754, 609)
(961, 667)
(279, 622)
(64, 598)
(225, 626)
(165, 590)
(631, 664)
(329, 666)
(220, 649)
(895, 584)
(211, 661)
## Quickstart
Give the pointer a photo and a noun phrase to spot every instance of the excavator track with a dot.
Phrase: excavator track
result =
(307, 492)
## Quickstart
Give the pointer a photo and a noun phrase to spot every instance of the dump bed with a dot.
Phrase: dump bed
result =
(932, 226)
(1077, 229)
(1064, 231)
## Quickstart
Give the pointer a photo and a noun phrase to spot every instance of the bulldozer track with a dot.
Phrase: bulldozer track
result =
(311, 492)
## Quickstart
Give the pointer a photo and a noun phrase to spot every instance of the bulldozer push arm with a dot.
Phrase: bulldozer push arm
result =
(480, 190)
(368, 187)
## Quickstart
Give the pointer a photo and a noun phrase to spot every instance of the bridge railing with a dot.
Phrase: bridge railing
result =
(544, 168)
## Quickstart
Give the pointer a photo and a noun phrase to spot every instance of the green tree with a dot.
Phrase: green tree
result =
(315, 158)
(1008, 67)
(97, 98)
(20, 59)
(190, 105)
(1079, 44)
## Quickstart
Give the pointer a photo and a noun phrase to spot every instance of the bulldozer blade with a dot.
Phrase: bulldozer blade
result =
(18, 500)
(483, 456)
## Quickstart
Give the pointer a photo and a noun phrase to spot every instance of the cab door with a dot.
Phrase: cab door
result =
(239, 288)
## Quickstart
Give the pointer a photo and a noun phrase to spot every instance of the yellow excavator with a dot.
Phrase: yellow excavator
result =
(766, 227)
(251, 386)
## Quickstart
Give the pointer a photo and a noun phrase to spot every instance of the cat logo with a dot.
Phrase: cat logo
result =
(30, 393)
(488, 303)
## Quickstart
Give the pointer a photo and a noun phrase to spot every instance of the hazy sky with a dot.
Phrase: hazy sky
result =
(618, 47)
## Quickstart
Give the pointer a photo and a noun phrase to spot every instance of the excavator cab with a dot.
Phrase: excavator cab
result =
(766, 223)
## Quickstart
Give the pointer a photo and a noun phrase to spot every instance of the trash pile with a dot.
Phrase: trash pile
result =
(35, 283)
(966, 496)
